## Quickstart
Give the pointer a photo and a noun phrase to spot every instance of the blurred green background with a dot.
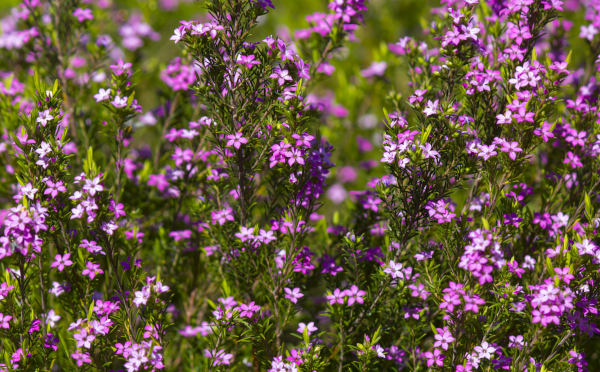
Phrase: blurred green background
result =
(363, 99)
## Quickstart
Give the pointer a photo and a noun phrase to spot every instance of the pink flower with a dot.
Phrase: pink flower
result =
(245, 234)
(83, 14)
(92, 270)
(443, 338)
(436, 358)
(84, 339)
(563, 274)
(310, 327)
(29, 191)
(504, 119)
(281, 75)
(159, 181)
(54, 188)
(486, 151)
(4, 319)
(294, 156)
(43, 150)
(117, 209)
(52, 318)
(220, 357)
(248, 61)
(180, 235)
(472, 303)
(62, 261)
(545, 131)
(222, 216)
(248, 310)
(5, 290)
(81, 358)
(516, 341)
(485, 351)
(293, 294)
(337, 297)
(236, 140)
(354, 295)
(512, 148)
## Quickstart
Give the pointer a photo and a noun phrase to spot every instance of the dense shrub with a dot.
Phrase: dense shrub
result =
(171, 200)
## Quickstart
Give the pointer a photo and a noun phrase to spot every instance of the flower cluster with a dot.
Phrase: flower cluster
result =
(171, 199)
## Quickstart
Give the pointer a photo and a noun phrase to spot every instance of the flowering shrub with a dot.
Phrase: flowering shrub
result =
(185, 213)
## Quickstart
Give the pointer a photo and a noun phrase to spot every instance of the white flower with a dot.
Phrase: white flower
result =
(119, 102)
(485, 351)
(44, 117)
(52, 318)
(141, 297)
(102, 95)
(178, 34)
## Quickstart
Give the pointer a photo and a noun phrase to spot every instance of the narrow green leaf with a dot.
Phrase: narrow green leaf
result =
(550, 266)
(589, 212)
(486, 224)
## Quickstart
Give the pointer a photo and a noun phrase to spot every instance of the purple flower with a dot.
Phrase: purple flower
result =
(516, 342)
(263, 4)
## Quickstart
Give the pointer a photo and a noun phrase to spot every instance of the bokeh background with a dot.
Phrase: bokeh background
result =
(353, 125)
